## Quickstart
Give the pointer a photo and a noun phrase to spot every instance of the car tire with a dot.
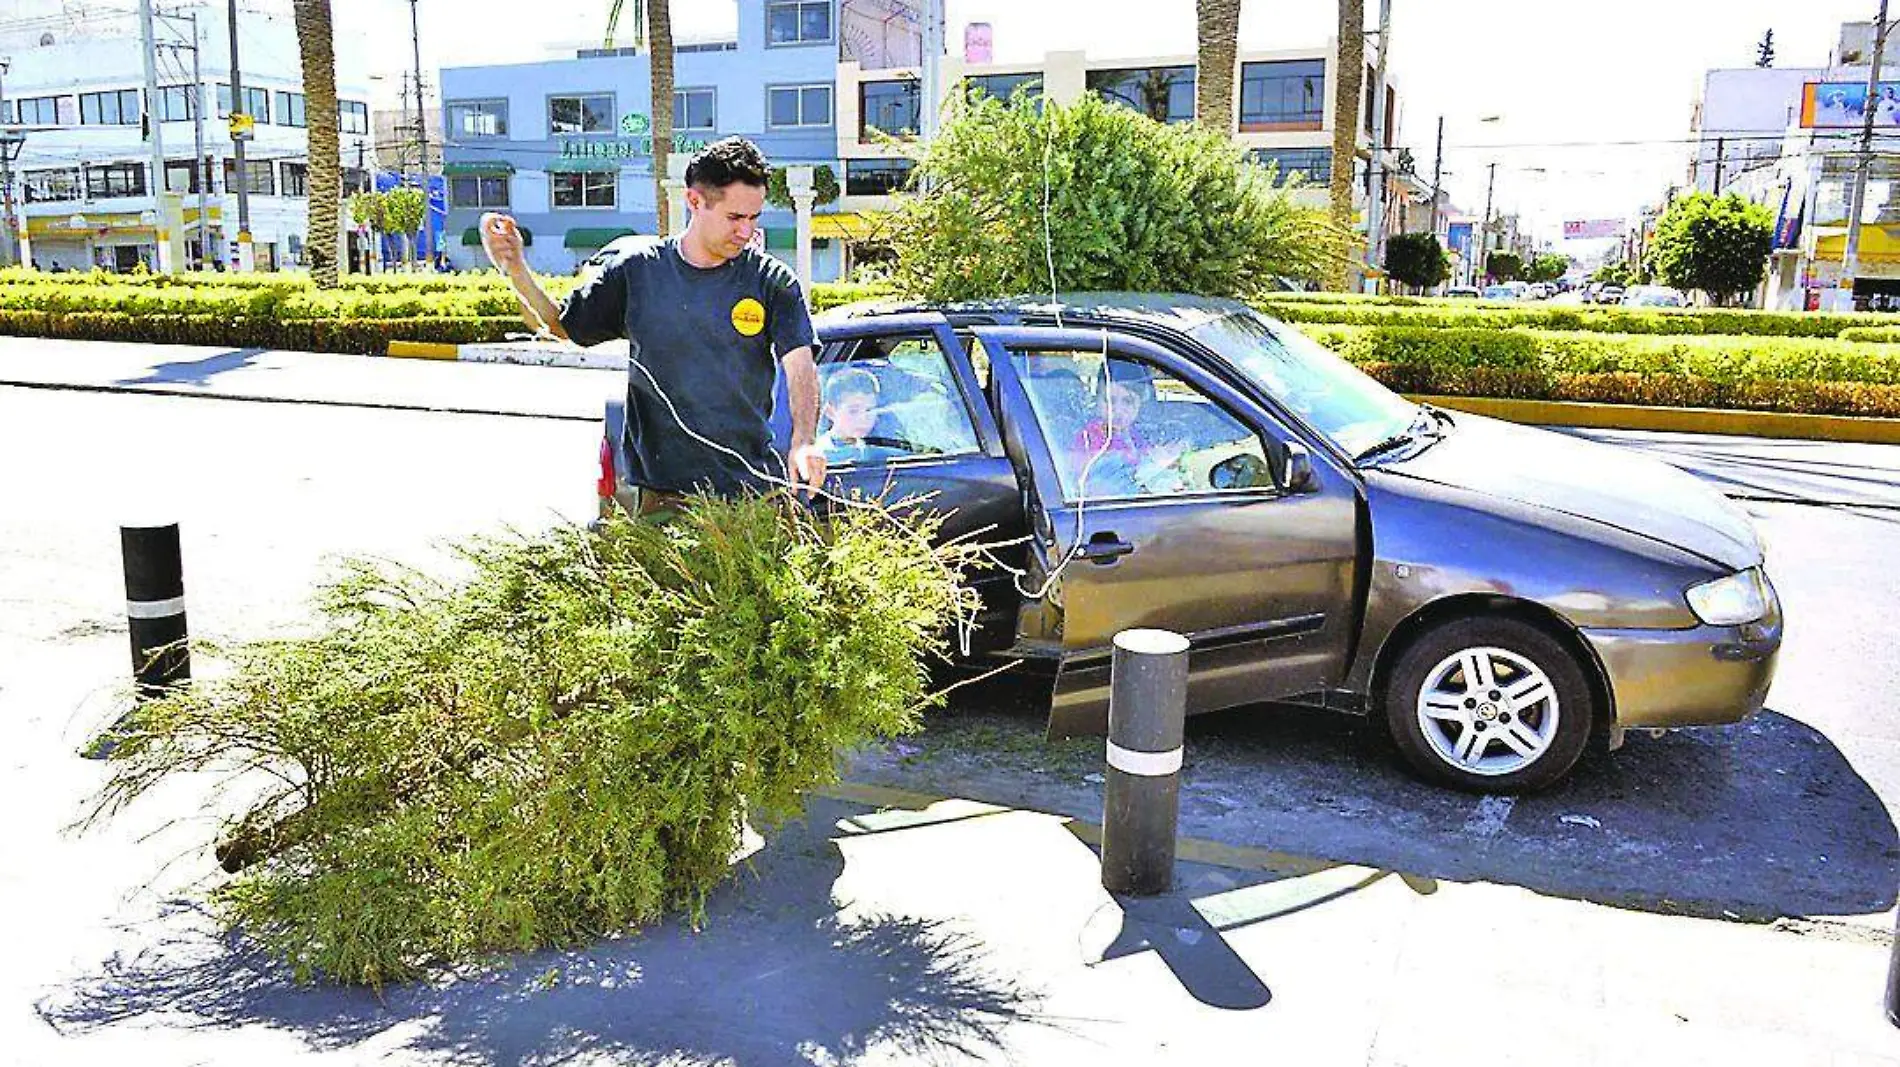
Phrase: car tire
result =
(1521, 728)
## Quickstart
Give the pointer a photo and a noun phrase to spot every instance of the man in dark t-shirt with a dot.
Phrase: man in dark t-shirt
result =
(703, 314)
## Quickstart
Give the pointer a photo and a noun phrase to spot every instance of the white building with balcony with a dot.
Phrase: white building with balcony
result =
(82, 183)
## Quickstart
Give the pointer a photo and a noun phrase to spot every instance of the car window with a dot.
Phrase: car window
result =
(1119, 428)
(887, 399)
(1314, 383)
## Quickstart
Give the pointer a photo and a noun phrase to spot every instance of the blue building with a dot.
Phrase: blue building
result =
(565, 146)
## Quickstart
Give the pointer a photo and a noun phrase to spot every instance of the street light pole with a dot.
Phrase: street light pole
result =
(1850, 258)
(1484, 234)
(247, 260)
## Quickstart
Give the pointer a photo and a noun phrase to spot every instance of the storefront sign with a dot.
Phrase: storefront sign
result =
(623, 147)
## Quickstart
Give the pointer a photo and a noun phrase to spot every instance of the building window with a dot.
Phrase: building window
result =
(52, 186)
(296, 179)
(256, 104)
(480, 191)
(44, 111)
(181, 178)
(290, 109)
(1164, 94)
(797, 21)
(581, 114)
(260, 177)
(693, 111)
(115, 179)
(1289, 93)
(875, 177)
(178, 103)
(798, 105)
(352, 116)
(1003, 86)
(1314, 164)
(592, 189)
(889, 107)
(119, 108)
(478, 118)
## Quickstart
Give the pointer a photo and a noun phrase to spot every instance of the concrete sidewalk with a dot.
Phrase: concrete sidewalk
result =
(888, 929)
(309, 377)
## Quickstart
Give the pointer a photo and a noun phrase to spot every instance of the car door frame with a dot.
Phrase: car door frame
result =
(1084, 670)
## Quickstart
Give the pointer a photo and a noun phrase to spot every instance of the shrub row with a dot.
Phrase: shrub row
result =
(1722, 359)
(1802, 397)
(1440, 314)
(359, 336)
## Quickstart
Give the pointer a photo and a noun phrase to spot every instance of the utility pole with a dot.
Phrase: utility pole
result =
(422, 123)
(1375, 203)
(154, 132)
(1721, 144)
(1850, 258)
(10, 141)
(199, 167)
(1438, 171)
(247, 256)
(932, 59)
(1484, 235)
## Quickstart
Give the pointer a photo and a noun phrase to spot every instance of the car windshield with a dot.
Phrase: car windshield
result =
(1333, 396)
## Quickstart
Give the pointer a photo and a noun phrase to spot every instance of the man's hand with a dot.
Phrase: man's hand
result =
(501, 239)
(808, 468)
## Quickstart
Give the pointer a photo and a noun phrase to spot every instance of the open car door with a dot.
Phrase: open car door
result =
(1177, 503)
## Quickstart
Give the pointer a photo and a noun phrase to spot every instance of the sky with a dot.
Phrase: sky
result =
(1562, 77)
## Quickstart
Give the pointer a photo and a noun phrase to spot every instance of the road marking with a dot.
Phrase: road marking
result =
(1490, 816)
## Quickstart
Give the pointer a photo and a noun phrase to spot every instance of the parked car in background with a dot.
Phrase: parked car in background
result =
(1469, 292)
(1654, 296)
(1493, 595)
(1499, 292)
(1609, 294)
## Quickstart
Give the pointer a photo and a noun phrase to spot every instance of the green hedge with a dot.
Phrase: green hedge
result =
(1442, 314)
(362, 337)
(1724, 359)
(1797, 396)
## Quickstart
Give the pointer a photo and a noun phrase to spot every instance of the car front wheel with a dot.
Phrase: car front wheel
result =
(1491, 705)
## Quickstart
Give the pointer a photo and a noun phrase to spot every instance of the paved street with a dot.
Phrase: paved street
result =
(1785, 818)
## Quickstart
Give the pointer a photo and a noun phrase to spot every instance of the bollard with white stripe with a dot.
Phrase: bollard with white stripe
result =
(155, 607)
(1146, 711)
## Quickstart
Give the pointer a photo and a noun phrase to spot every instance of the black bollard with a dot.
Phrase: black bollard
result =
(1146, 709)
(155, 607)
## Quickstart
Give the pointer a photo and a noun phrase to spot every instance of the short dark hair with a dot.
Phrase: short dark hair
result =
(727, 160)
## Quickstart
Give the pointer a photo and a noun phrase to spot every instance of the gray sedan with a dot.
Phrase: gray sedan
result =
(1496, 595)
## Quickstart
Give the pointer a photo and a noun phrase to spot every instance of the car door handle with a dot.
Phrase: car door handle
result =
(1105, 548)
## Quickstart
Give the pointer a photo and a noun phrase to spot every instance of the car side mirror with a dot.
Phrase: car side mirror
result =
(1299, 469)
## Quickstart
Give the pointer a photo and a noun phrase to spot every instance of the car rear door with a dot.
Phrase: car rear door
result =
(1260, 575)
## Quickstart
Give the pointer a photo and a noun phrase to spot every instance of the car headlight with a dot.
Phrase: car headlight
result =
(1740, 598)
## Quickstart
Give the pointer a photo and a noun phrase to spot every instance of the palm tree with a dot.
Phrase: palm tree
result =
(660, 60)
(317, 49)
(1217, 25)
(655, 31)
(1346, 92)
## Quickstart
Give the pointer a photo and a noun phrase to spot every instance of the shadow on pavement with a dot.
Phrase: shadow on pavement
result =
(1756, 821)
(197, 371)
(774, 977)
(1758, 468)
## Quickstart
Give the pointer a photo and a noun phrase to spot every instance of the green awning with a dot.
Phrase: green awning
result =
(478, 166)
(582, 165)
(594, 236)
(472, 237)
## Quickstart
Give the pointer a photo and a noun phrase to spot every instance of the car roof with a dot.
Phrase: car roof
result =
(1177, 311)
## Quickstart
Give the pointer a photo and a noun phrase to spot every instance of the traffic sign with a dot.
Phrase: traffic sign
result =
(242, 125)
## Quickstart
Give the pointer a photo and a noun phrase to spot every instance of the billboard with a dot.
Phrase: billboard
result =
(1843, 105)
(1458, 238)
(1593, 229)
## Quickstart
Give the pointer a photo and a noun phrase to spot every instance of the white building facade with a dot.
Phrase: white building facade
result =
(83, 188)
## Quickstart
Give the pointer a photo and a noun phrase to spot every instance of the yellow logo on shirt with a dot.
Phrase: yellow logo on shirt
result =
(748, 317)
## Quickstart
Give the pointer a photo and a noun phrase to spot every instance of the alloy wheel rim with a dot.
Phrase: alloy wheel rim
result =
(1488, 711)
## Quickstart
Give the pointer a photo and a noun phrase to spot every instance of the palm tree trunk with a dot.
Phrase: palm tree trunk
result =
(1217, 25)
(1347, 88)
(317, 49)
(660, 52)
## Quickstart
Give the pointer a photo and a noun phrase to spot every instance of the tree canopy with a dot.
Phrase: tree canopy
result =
(1130, 204)
(1417, 260)
(1719, 245)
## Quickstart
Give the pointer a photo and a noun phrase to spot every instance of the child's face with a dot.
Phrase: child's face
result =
(852, 415)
